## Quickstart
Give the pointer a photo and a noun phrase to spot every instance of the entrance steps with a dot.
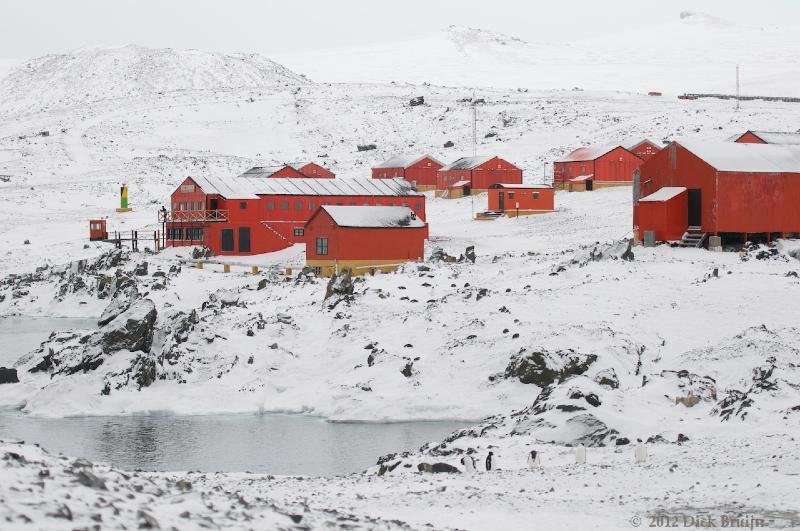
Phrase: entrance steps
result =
(693, 237)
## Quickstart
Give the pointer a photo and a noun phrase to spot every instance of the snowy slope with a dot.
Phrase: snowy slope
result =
(692, 53)
(90, 75)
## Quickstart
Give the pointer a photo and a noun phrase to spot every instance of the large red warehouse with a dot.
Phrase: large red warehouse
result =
(521, 199)
(419, 170)
(644, 149)
(768, 137)
(588, 168)
(253, 214)
(312, 169)
(733, 190)
(474, 175)
(363, 238)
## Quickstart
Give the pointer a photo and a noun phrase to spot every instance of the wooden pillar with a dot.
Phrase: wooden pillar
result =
(199, 265)
(254, 270)
(226, 268)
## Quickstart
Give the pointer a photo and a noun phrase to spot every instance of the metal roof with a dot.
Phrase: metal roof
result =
(750, 158)
(664, 194)
(229, 189)
(268, 171)
(311, 186)
(776, 137)
(631, 145)
(467, 163)
(373, 216)
(586, 154)
(404, 161)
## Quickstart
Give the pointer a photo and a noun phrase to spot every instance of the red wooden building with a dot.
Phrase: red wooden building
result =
(664, 212)
(470, 175)
(644, 149)
(284, 171)
(521, 199)
(733, 190)
(589, 168)
(416, 169)
(768, 137)
(314, 170)
(364, 239)
(253, 214)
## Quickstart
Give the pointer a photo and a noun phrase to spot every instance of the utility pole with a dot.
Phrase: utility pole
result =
(737, 87)
(474, 125)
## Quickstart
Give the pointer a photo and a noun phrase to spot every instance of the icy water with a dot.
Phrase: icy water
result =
(20, 334)
(268, 443)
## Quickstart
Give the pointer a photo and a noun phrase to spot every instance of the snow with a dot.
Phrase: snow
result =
(460, 184)
(664, 194)
(777, 137)
(311, 186)
(373, 216)
(404, 161)
(755, 158)
(581, 178)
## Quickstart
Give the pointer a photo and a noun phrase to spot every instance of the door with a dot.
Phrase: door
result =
(244, 239)
(589, 185)
(227, 240)
(695, 207)
(502, 197)
(213, 204)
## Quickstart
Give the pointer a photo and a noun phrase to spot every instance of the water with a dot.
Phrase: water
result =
(270, 443)
(20, 334)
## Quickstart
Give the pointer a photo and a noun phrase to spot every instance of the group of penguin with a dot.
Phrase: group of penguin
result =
(534, 461)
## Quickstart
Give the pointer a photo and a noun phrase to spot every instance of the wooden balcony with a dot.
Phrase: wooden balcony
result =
(192, 216)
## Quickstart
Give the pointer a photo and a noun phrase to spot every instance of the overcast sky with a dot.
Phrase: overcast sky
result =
(30, 28)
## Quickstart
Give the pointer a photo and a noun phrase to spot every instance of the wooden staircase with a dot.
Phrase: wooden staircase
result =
(693, 237)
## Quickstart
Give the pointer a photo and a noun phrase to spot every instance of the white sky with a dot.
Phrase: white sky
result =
(30, 28)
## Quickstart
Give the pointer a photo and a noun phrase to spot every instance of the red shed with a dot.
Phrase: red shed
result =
(768, 137)
(97, 230)
(644, 149)
(521, 199)
(314, 170)
(595, 167)
(419, 170)
(733, 189)
(363, 239)
(253, 214)
(664, 212)
(479, 172)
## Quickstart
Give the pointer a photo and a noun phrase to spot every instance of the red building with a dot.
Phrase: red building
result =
(418, 170)
(470, 175)
(521, 199)
(284, 171)
(253, 214)
(363, 239)
(664, 212)
(644, 149)
(314, 170)
(733, 190)
(588, 168)
(768, 137)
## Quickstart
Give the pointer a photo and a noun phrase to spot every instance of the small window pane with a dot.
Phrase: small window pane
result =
(284, 205)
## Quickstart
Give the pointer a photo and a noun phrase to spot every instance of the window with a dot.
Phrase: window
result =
(353, 203)
(316, 270)
(405, 205)
(183, 206)
(175, 234)
(339, 204)
(174, 206)
(187, 188)
(536, 195)
(299, 232)
(284, 205)
(194, 234)
(322, 246)
(298, 205)
(366, 204)
(243, 205)
(270, 205)
(417, 206)
(312, 206)
(511, 195)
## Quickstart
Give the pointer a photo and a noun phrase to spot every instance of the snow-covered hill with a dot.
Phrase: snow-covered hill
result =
(694, 52)
(90, 75)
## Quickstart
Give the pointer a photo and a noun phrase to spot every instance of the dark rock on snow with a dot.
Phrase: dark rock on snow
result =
(8, 376)
(438, 468)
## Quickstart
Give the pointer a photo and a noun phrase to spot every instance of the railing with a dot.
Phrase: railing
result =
(197, 216)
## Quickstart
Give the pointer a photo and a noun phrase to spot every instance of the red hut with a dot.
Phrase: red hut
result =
(470, 175)
(521, 199)
(314, 170)
(416, 169)
(97, 230)
(251, 214)
(644, 149)
(768, 137)
(734, 190)
(589, 168)
(664, 212)
(363, 239)
(282, 171)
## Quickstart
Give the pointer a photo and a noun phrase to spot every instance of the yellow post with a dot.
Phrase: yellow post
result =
(123, 199)
(226, 268)
(254, 270)
(199, 265)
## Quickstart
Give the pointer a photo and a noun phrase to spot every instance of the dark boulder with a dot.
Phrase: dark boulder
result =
(438, 468)
(8, 376)
(132, 329)
(622, 441)
(469, 254)
(141, 270)
(449, 144)
(545, 368)
(366, 147)
(418, 100)
(607, 378)
(592, 399)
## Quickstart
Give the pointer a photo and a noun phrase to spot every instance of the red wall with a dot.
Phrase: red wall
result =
(493, 171)
(350, 243)
(422, 172)
(287, 172)
(314, 170)
(616, 165)
(564, 171)
(646, 150)
(523, 196)
(749, 138)
(667, 218)
(180, 201)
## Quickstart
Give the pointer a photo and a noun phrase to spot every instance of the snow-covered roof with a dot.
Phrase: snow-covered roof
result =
(373, 216)
(777, 137)
(227, 188)
(581, 178)
(664, 194)
(633, 144)
(585, 154)
(460, 184)
(525, 186)
(467, 163)
(404, 161)
(755, 158)
(268, 171)
(311, 186)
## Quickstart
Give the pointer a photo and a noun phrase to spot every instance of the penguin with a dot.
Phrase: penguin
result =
(489, 461)
(533, 460)
(640, 454)
(580, 454)
(469, 464)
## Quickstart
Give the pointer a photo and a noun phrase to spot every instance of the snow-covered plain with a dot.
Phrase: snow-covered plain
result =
(550, 333)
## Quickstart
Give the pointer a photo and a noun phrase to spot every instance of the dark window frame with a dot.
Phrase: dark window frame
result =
(322, 246)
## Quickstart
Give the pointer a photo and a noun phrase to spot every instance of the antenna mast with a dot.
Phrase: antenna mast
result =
(737, 87)
(474, 125)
